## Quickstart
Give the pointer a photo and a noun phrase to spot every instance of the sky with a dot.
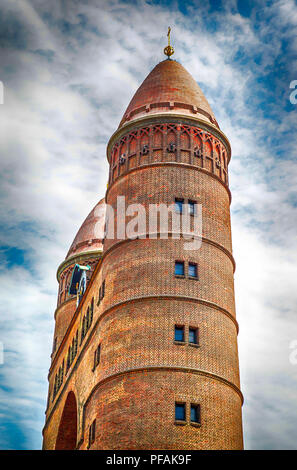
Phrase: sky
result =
(69, 69)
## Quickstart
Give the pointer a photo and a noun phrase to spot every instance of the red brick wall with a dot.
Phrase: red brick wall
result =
(142, 372)
(136, 411)
(63, 316)
(162, 184)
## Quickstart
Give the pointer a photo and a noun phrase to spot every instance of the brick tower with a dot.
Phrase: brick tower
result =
(153, 341)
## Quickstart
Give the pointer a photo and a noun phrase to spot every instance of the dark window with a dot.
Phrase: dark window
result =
(88, 319)
(193, 335)
(83, 329)
(195, 413)
(192, 207)
(179, 268)
(68, 359)
(97, 356)
(179, 333)
(193, 272)
(58, 380)
(180, 411)
(92, 433)
(76, 343)
(92, 310)
(179, 205)
(101, 292)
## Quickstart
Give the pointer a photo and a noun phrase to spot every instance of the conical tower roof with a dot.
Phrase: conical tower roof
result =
(169, 88)
(89, 236)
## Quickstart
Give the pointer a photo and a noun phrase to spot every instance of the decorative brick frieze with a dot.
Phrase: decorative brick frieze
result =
(169, 142)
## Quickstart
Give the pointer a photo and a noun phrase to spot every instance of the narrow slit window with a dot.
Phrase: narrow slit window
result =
(97, 354)
(92, 433)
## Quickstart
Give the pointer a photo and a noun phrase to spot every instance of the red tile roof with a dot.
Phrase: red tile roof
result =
(89, 237)
(169, 88)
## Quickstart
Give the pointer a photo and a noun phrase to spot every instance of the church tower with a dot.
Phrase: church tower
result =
(146, 355)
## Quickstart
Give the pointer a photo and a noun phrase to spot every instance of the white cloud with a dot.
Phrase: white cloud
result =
(67, 84)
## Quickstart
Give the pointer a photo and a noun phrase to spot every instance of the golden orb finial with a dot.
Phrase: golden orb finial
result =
(168, 50)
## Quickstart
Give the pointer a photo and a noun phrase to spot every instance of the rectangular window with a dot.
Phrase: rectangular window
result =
(195, 413)
(179, 268)
(179, 205)
(180, 411)
(192, 207)
(193, 271)
(179, 333)
(193, 335)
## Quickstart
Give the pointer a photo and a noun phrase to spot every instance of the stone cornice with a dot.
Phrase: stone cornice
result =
(75, 258)
(170, 105)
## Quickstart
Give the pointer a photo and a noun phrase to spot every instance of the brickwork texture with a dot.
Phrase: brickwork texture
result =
(125, 374)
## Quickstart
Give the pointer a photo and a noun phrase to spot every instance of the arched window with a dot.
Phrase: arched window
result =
(67, 432)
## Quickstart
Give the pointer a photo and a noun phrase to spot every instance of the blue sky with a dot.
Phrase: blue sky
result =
(69, 70)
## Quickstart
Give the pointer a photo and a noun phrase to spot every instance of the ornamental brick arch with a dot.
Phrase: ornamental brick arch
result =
(217, 159)
(67, 433)
(123, 156)
(144, 146)
(185, 144)
(208, 150)
(171, 148)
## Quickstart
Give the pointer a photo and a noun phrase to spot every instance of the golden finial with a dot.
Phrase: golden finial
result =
(168, 50)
